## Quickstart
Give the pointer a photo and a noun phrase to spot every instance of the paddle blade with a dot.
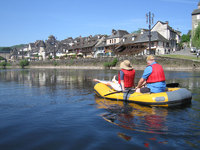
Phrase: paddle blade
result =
(172, 85)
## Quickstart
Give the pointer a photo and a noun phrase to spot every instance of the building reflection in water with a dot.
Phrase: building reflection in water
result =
(51, 78)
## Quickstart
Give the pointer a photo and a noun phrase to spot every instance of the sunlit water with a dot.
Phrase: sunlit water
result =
(51, 109)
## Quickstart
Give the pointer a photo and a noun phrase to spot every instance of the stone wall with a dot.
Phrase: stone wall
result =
(139, 62)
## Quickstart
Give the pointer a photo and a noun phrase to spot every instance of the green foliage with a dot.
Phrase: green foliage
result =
(185, 38)
(8, 64)
(1, 58)
(50, 57)
(111, 64)
(106, 64)
(8, 49)
(71, 61)
(180, 45)
(4, 64)
(18, 46)
(189, 33)
(137, 31)
(5, 49)
(196, 37)
(24, 63)
(55, 63)
(114, 62)
(36, 55)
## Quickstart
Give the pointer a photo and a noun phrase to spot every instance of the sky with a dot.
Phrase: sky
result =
(25, 21)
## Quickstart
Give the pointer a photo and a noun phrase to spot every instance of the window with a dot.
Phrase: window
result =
(133, 38)
(198, 16)
(195, 26)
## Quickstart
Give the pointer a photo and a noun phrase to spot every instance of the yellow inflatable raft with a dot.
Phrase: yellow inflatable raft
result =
(172, 97)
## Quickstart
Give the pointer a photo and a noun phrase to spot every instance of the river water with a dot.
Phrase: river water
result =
(49, 109)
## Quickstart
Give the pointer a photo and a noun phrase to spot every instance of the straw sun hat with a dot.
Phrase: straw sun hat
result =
(150, 57)
(126, 65)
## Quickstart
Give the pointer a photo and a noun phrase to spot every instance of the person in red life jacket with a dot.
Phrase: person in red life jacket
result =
(125, 78)
(126, 75)
(153, 76)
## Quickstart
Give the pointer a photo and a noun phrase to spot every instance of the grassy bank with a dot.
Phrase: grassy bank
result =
(182, 57)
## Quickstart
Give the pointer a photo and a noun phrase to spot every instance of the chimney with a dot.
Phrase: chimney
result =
(167, 22)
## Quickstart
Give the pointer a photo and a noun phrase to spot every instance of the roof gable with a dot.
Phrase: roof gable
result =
(118, 34)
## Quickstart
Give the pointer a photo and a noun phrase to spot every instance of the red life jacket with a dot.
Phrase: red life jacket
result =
(129, 76)
(157, 74)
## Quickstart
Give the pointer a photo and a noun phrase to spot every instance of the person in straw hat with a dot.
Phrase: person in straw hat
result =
(153, 76)
(125, 76)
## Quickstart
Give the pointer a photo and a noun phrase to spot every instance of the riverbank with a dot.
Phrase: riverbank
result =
(139, 63)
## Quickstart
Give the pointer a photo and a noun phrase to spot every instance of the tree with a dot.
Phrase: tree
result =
(4, 63)
(5, 49)
(196, 37)
(185, 38)
(137, 31)
(24, 63)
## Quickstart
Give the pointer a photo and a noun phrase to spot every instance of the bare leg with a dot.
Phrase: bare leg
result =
(104, 82)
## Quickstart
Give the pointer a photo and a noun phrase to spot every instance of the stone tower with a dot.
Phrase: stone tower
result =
(195, 18)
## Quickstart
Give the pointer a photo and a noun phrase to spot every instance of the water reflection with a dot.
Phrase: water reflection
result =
(48, 77)
(133, 116)
(30, 94)
(53, 77)
(188, 80)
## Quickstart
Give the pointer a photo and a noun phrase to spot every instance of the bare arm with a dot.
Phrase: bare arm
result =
(141, 82)
(122, 84)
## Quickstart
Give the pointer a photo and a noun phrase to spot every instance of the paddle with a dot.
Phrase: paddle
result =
(119, 92)
(170, 85)
(113, 93)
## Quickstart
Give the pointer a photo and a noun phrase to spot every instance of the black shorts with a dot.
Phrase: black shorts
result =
(145, 90)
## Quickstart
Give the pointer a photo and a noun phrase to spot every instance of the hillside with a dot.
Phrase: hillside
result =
(10, 48)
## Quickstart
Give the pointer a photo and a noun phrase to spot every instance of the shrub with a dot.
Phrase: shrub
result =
(50, 57)
(24, 63)
(114, 62)
(4, 64)
(55, 63)
(111, 64)
(106, 64)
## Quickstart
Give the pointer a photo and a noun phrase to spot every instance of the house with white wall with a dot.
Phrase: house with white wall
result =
(173, 36)
(113, 40)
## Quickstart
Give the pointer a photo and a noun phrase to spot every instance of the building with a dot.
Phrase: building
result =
(113, 41)
(173, 36)
(138, 44)
(100, 47)
(195, 19)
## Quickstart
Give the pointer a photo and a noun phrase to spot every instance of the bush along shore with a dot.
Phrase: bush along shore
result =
(139, 62)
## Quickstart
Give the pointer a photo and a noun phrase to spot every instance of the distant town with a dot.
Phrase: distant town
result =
(162, 38)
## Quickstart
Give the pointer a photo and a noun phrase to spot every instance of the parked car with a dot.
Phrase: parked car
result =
(193, 49)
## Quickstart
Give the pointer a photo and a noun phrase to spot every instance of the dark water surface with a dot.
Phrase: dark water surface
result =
(50, 109)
